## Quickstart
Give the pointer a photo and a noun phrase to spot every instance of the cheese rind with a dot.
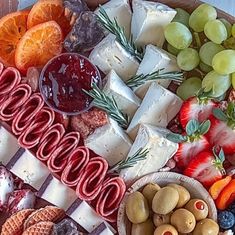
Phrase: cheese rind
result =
(160, 151)
(109, 54)
(148, 22)
(158, 108)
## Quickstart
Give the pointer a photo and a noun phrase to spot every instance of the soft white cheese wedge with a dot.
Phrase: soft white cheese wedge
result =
(109, 54)
(148, 22)
(158, 108)
(125, 98)
(110, 142)
(155, 59)
(160, 151)
(121, 11)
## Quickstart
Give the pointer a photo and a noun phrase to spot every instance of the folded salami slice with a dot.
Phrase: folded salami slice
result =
(58, 160)
(17, 97)
(50, 141)
(28, 111)
(110, 197)
(1, 68)
(77, 162)
(92, 178)
(32, 135)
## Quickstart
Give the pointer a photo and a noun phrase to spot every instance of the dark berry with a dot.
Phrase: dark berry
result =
(232, 208)
(226, 219)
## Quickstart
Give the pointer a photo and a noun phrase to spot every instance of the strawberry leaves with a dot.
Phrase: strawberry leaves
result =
(219, 159)
(192, 127)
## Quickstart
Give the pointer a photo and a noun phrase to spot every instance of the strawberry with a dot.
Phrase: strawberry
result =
(222, 131)
(191, 143)
(207, 167)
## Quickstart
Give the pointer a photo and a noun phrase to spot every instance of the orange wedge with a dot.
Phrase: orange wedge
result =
(38, 46)
(47, 10)
(12, 27)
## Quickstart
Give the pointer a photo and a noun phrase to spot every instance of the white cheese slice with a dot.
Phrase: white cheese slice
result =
(158, 108)
(148, 22)
(160, 151)
(121, 11)
(8, 146)
(125, 98)
(110, 142)
(109, 54)
(155, 59)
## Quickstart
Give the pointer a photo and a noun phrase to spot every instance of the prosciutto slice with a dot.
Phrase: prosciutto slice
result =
(77, 162)
(32, 135)
(92, 178)
(110, 197)
(30, 108)
(59, 158)
(17, 97)
(50, 141)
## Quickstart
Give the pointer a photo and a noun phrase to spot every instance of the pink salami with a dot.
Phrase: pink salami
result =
(1, 68)
(28, 111)
(50, 141)
(17, 97)
(92, 178)
(77, 162)
(110, 197)
(59, 158)
(32, 135)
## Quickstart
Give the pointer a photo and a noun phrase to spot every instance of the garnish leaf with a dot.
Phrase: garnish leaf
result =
(219, 114)
(192, 127)
(176, 138)
(230, 110)
(204, 127)
(219, 158)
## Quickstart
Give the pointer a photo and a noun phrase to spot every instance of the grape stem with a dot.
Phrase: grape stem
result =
(197, 39)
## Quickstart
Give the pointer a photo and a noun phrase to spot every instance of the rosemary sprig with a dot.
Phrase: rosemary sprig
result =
(113, 27)
(108, 104)
(130, 161)
(138, 80)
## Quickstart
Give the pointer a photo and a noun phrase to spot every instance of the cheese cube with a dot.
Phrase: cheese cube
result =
(160, 151)
(158, 108)
(148, 22)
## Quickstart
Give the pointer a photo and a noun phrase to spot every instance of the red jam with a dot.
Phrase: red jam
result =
(200, 205)
(62, 82)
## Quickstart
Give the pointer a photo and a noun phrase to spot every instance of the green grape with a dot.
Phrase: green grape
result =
(224, 62)
(215, 31)
(200, 16)
(233, 30)
(172, 50)
(189, 88)
(229, 43)
(216, 83)
(182, 17)
(233, 80)
(188, 59)
(178, 35)
(208, 51)
(228, 26)
(205, 68)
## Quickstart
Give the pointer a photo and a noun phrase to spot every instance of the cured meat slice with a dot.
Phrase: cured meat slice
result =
(32, 135)
(77, 162)
(50, 141)
(59, 158)
(110, 197)
(1, 68)
(28, 111)
(17, 97)
(91, 180)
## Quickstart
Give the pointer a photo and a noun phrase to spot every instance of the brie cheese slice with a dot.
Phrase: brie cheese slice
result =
(148, 22)
(160, 151)
(110, 142)
(125, 98)
(121, 11)
(158, 108)
(155, 59)
(109, 54)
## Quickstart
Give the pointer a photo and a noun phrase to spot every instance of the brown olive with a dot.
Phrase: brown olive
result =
(146, 228)
(161, 219)
(206, 227)
(165, 229)
(149, 192)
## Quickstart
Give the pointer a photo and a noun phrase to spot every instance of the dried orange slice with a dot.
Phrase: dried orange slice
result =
(12, 27)
(47, 10)
(38, 46)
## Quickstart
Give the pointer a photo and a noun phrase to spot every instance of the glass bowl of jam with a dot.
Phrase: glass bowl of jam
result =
(62, 81)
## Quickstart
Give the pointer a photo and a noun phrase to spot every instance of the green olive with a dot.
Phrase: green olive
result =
(161, 219)
(198, 207)
(146, 228)
(206, 227)
(149, 192)
(137, 209)
(165, 229)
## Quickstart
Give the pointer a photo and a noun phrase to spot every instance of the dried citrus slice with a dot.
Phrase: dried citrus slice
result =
(12, 27)
(47, 10)
(38, 46)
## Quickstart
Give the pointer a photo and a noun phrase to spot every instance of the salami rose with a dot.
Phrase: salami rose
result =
(77, 162)
(50, 141)
(28, 111)
(58, 160)
(110, 197)
(91, 180)
(32, 135)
